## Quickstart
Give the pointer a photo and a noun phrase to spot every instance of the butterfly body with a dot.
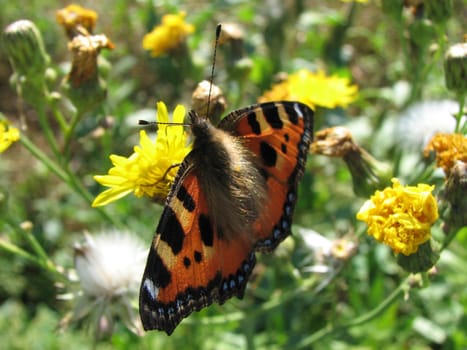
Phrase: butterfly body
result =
(234, 194)
(229, 178)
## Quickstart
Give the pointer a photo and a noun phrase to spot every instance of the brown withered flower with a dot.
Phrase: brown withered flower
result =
(85, 50)
(217, 105)
(368, 174)
(83, 85)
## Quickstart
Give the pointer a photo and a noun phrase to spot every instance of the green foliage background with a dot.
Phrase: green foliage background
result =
(284, 306)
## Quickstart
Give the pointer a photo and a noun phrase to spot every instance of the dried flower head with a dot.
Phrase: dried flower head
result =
(343, 249)
(334, 142)
(449, 149)
(217, 102)
(231, 32)
(151, 169)
(313, 89)
(169, 35)
(84, 85)
(76, 20)
(401, 216)
(368, 174)
(85, 50)
(327, 253)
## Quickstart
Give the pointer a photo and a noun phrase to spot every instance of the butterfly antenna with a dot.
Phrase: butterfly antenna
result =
(145, 122)
(216, 43)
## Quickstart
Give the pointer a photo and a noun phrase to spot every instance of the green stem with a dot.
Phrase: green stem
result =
(451, 235)
(48, 131)
(461, 98)
(57, 114)
(15, 250)
(30, 239)
(41, 156)
(67, 176)
(70, 132)
(335, 329)
(40, 258)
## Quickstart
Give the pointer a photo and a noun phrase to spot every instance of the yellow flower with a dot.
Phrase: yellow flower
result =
(313, 89)
(168, 35)
(449, 148)
(151, 169)
(401, 217)
(8, 135)
(74, 17)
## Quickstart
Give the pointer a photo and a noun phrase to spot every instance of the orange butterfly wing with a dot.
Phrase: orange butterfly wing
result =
(190, 265)
(279, 134)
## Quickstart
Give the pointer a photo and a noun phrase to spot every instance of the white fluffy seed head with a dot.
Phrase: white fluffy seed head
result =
(421, 121)
(110, 264)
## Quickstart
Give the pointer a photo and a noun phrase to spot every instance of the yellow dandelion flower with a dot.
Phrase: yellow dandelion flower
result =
(449, 148)
(168, 35)
(8, 135)
(313, 89)
(401, 216)
(151, 169)
(74, 16)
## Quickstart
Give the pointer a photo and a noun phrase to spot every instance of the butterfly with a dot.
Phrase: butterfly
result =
(234, 195)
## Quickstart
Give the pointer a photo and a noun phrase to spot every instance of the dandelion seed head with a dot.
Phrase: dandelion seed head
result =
(420, 122)
(110, 264)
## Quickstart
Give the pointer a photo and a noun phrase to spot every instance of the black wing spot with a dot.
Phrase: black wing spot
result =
(171, 230)
(198, 257)
(205, 227)
(157, 271)
(187, 200)
(186, 262)
(284, 148)
(292, 113)
(286, 137)
(253, 122)
(268, 154)
(271, 113)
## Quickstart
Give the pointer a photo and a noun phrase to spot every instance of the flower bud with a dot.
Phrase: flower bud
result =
(455, 198)
(438, 10)
(25, 48)
(455, 67)
(422, 34)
